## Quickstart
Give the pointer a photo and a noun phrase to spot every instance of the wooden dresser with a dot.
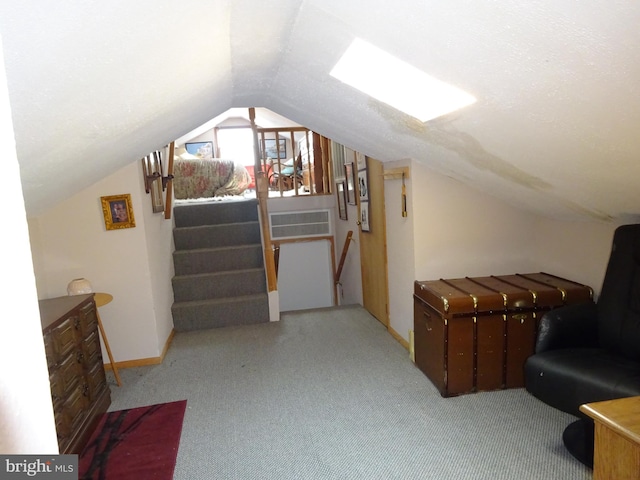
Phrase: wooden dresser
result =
(79, 388)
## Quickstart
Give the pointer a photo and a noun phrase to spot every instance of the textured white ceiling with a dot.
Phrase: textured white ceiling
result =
(96, 85)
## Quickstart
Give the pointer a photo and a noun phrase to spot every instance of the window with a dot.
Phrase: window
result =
(397, 83)
(236, 144)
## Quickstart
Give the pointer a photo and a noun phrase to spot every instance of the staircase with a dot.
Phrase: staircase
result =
(219, 269)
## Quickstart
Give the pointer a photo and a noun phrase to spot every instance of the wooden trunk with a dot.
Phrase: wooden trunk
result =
(474, 334)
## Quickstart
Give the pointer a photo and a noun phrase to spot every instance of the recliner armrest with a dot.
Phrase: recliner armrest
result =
(568, 326)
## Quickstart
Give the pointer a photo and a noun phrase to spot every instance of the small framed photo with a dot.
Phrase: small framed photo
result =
(202, 150)
(363, 185)
(273, 151)
(361, 161)
(350, 174)
(364, 217)
(342, 200)
(117, 211)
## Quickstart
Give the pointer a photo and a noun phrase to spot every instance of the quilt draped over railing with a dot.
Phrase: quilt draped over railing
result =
(206, 178)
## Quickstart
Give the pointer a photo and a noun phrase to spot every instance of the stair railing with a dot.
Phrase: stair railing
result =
(262, 191)
(343, 257)
(269, 260)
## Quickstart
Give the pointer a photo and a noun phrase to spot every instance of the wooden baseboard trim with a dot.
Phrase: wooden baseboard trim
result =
(167, 344)
(399, 338)
(143, 362)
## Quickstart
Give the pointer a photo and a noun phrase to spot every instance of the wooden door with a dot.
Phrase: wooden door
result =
(373, 246)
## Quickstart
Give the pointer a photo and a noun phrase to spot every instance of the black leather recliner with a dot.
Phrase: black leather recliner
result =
(591, 352)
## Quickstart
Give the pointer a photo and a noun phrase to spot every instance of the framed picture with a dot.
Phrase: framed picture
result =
(364, 217)
(361, 161)
(200, 149)
(117, 211)
(271, 151)
(363, 185)
(342, 200)
(350, 173)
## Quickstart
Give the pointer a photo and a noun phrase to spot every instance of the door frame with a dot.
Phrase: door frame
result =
(373, 243)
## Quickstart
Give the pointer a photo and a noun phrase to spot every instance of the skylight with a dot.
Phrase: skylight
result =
(396, 83)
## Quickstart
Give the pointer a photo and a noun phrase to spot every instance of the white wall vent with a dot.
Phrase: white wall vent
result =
(315, 223)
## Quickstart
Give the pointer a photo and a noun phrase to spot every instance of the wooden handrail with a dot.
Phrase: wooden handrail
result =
(169, 197)
(262, 193)
(343, 257)
(269, 261)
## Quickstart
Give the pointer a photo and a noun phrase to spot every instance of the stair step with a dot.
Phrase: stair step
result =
(219, 268)
(209, 236)
(204, 314)
(215, 212)
(206, 260)
(233, 283)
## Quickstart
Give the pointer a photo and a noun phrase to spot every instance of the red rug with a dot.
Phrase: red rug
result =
(140, 443)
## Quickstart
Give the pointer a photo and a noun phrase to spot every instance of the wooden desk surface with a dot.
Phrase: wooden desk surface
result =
(52, 309)
(621, 415)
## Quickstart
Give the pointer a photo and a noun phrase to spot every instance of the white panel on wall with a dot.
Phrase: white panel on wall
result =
(300, 224)
(304, 275)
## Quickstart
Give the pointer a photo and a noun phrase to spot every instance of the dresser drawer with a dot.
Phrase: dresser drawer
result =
(91, 350)
(88, 320)
(69, 371)
(73, 410)
(96, 380)
(63, 338)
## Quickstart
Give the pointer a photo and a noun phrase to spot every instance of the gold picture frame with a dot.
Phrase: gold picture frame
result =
(118, 212)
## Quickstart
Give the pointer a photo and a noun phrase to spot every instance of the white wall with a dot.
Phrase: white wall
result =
(132, 264)
(27, 425)
(575, 250)
(400, 251)
(159, 237)
(463, 232)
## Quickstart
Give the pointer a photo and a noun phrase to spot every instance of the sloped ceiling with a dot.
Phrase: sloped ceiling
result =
(96, 85)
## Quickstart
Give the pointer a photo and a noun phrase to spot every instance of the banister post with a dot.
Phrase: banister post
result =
(262, 190)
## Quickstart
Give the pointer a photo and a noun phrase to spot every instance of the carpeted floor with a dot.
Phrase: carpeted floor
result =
(329, 394)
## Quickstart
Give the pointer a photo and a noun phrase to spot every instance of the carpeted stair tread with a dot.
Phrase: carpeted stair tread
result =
(223, 235)
(220, 301)
(211, 259)
(219, 284)
(222, 312)
(215, 212)
(229, 248)
(219, 273)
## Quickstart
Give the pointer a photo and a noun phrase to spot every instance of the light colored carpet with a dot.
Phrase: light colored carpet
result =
(329, 394)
